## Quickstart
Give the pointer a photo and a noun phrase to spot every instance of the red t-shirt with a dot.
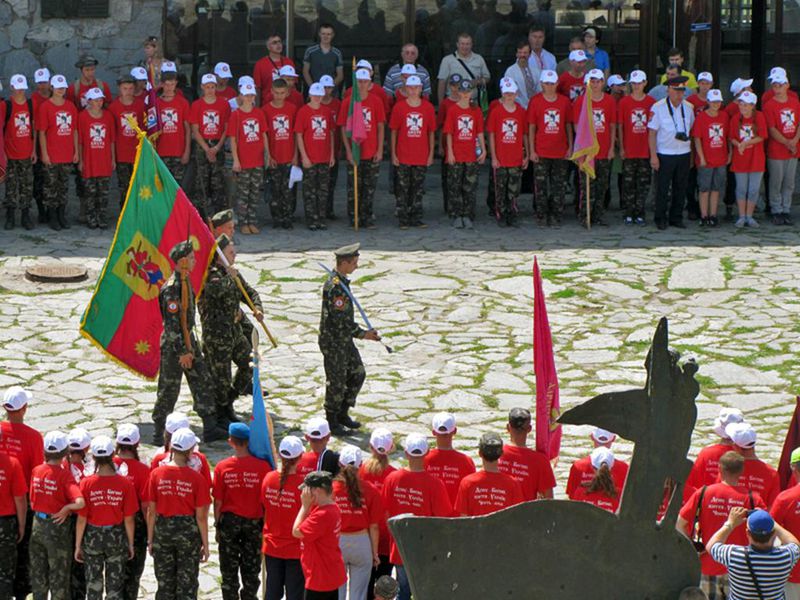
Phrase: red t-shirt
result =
(315, 125)
(741, 129)
(80, 100)
(177, 491)
(769, 95)
(229, 93)
(732, 108)
(369, 513)
(210, 118)
(280, 509)
(137, 473)
(377, 91)
(570, 86)
(24, 443)
(126, 140)
(509, 129)
(450, 467)
(12, 484)
(96, 135)
(698, 103)
(782, 116)
(384, 545)
(237, 485)
(530, 468)
(598, 498)
(633, 114)
(248, 129)
(718, 500)
(464, 125)
(761, 478)
(713, 135)
(59, 124)
(266, 69)
(295, 98)
(550, 119)
(705, 469)
(197, 461)
(52, 488)
(374, 113)
(414, 125)
(307, 463)
(321, 557)
(482, 493)
(444, 106)
(280, 126)
(174, 115)
(605, 119)
(786, 512)
(418, 493)
(38, 100)
(18, 132)
(582, 472)
(109, 499)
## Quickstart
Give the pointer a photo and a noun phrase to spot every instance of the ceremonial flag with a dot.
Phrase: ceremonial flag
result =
(586, 145)
(123, 318)
(548, 407)
(260, 435)
(355, 128)
(792, 441)
(152, 120)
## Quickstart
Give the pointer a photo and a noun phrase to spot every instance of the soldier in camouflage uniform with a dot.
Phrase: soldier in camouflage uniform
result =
(180, 353)
(550, 178)
(223, 340)
(344, 371)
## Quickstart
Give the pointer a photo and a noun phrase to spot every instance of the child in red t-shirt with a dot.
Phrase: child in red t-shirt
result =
(13, 516)
(466, 151)
(174, 141)
(489, 490)
(712, 155)
(508, 145)
(96, 135)
(17, 113)
(444, 462)
(782, 113)
(334, 105)
(633, 112)
(601, 490)
(441, 116)
(126, 106)
(748, 131)
(208, 118)
(280, 116)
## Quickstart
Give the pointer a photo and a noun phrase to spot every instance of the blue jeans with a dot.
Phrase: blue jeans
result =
(402, 580)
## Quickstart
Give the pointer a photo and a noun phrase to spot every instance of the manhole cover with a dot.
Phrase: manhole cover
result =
(56, 273)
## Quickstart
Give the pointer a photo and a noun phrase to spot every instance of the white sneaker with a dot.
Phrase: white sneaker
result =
(740, 222)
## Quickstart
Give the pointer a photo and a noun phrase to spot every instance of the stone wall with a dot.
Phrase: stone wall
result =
(28, 42)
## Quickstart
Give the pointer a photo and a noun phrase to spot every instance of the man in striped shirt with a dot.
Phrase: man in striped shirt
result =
(758, 571)
(409, 55)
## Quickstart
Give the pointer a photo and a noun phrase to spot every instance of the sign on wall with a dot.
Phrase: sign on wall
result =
(76, 9)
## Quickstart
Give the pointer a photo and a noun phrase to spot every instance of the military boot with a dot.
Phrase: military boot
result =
(158, 433)
(212, 432)
(26, 220)
(9, 219)
(41, 212)
(333, 423)
(346, 420)
(53, 221)
(61, 213)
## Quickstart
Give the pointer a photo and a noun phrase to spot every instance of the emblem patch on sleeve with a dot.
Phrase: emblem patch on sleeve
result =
(339, 302)
(172, 306)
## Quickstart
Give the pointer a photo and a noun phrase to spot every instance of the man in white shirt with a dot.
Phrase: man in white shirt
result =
(541, 59)
(521, 75)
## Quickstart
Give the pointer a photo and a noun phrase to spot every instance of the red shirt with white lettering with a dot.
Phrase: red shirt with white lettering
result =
(308, 462)
(18, 132)
(782, 116)
(237, 485)
(450, 467)
(266, 69)
(482, 493)
(464, 125)
(713, 135)
(174, 116)
(24, 443)
(377, 479)
(137, 473)
(211, 118)
(761, 478)
(373, 109)
(12, 484)
(281, 505)
(248, 129)
(413, 125)
(280, 131)
(634, 114)
(126, 139)
(178, 491)
(604, 112)
(52, 488)
(550, 119)
(582, 472)
(197, 461)
(530, 468)
(599, 498)
(109, 499)
(786, 512)
(59, 124)
(315, 125)
(570, 86)
(705, 469)
(96, 136)
(509, 128)
(358, 518)
(753, 159)
(321, 557)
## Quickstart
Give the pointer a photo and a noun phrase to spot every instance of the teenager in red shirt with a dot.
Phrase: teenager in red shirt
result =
(197, 460)
(489, 490)
(313, 128)
(786, 512)
(174, 141)
(223, 72)
(705, 469)
(748, 131)
(705, 81)
(782, 113)
(17, 113)
(334, 105)
(208, 118)
(441, 116)
(239, 515)
(289, 75)
(582, 472)
(445, 462)
(571, 82)
(54, 497)
(267, 69)
(319, 457)
(13, 515)
(96, 135)
(126, 106)
(757, 475)
(280, 116)
(600, 490)
(374, 89)
(530, 468)
(318, 525)
(712, 155)
(177, 519)
(105, 526)
(42, 92)
(87, 65)
(633, 112)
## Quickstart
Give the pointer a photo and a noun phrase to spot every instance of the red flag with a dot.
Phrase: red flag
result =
(548, 431)
(792, 441)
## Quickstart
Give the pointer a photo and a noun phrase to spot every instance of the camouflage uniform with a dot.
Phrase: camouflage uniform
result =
(210, 180)
(550, 178)
(56, 184)
(602, 169)
(135, 567)
(636, 176)
(334, 177)
(409, 187)
(51, 553)
(9, 529)
(174, 166)
(19, 184)
(105, 552)
(239, 542)
(316, 182)
(280, 196)
(248, 185)
(176, 557)
(367, 181)
(96, 201)
(124, 174)
(344, 371)
(462, 184)
(39, 185)
(507, 184)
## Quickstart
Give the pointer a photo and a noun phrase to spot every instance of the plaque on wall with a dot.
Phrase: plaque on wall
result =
(75, 9)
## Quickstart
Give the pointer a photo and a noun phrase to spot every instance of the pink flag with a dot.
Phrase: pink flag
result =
(586, 145)
(548, 407)
(355, 127)
(152, 121)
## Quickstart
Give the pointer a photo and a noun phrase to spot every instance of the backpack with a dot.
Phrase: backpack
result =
(76, 88)
(10, 108)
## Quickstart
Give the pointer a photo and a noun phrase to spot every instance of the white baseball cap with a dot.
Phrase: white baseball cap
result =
(602, 436)
(601, 456)
(382, 440)
(595, 74)
(223, 70)
(364, 64)
(327, 81)
(247, 89)
(705, 76)
(208, 78)
(408, 69)
(95, 94)
(291, 447)
(508, 87)
(317, 428)
(287, 71)
(18, 82)
(245, 79)
(739, 84)
(128, 433)
(578, 56)
(638, 76)
(714, 96)
(548, 77)
(168, 67)
(363, 75)
(42, 75)
(414, 80)
(59, 81)
(139, 73)
(726, 415)
(55, 441)
(351, 455)
(316, 89)
(183, 439)
(615, 80)
(79, 439)
(443, 423)
(747, 98)
(16, 397)
(176, 421)
(416, 444)
(742, 434)
(778, 72)
(102, 445)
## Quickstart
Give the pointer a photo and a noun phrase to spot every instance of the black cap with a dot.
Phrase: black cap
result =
(677, 82)
(519, 417)
(465, 86)
(455, 79)
(386, 587)
(318, 479)
(181, 250)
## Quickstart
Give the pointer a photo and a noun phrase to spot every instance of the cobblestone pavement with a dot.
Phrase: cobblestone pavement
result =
(457, 307)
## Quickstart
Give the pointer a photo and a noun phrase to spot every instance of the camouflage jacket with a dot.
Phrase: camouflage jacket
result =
(337, 325)
(219, 305)
(169, 301)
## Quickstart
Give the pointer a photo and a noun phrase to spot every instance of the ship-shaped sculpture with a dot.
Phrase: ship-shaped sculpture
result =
(556, 549)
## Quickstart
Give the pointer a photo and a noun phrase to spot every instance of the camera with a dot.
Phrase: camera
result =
(681, 137)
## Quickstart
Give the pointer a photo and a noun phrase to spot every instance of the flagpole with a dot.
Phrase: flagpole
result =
(355, 169)
(588, 202)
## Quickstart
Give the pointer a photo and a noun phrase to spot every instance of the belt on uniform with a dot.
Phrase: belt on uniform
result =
(42, 515)
(105, 526)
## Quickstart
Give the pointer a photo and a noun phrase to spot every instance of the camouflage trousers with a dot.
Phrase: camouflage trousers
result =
(176, 557)
(239, 542)
(344, 376)
(105, 554)
(135, 567)
(316, 184)
(462, 186)
(9, 530)
(367, 183)
(220, 349)
(56, 184)
(636, 177)
(38, 180)
(209, 181)
(19, 184)
(77, 585)
(51, 551)
(175, 167)
(597, 191)
(124, 174)
(334, 177)
(96, 200)
(248, 186)
(169, 384)
(507, 184)
(22, 583)
(280, 196)
(550, 180)
(409, 187)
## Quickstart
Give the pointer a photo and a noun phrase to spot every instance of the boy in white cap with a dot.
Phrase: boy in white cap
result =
(406, 71)
(289, 75)
(267, 69)
(126, 106)
(18, 115)
(280, 116)
(712, 155)
(705, 470)
(776, 73)
(140, 88)
(208, 118)
(757, 476)
(634, 111)
(318, 457)
(581, 472)
(174, 141)
(223, 72)
(80, 464)
(333, 104)
(705, 81)
(570, 82)
(374, 89)
(782, 113)
(96, 157)
(748, 132)
(197, 460)
(41, 93)
(13, 516)
(445, 462)
(616, 87)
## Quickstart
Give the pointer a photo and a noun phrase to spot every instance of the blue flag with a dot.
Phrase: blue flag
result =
(260, 435)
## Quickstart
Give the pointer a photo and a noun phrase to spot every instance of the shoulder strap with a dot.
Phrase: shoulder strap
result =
(463, 64)
(76, 88)
(753, 573)
(696, 523)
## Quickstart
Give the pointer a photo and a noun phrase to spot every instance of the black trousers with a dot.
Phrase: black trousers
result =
(673, 172)
(312, 595)
(283, 574)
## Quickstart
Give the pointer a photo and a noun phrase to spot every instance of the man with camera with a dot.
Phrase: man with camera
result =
(670, 125)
